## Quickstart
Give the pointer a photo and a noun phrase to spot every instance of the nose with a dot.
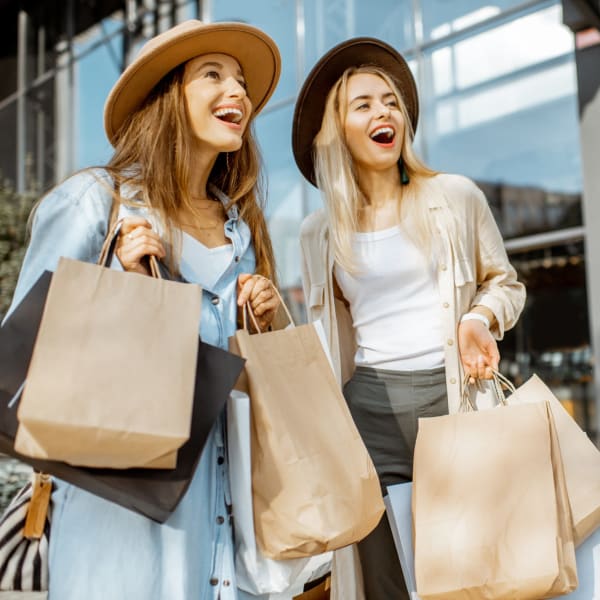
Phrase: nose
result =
(383, 110)
(235, 89)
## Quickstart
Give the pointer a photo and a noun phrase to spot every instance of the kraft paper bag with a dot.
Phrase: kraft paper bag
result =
(490, 508)
(112, 375)
(153, 493)
(588, 569)
(254, 572)
(581, 458)
(314, 485)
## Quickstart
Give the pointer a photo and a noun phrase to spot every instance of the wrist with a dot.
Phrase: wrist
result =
(475, 316)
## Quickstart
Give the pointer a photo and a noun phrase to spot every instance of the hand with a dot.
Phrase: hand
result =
(260, 293)
(137, 240)
(478, 350)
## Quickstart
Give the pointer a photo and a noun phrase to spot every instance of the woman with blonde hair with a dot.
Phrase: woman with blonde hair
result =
(405, 267)
(185, 180)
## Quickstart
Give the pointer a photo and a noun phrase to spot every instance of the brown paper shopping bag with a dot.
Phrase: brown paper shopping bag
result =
(581, 458)
(490, 510)
(112, 375)
(314, 485)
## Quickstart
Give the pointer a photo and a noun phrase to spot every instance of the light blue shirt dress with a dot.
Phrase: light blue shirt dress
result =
(98, 550)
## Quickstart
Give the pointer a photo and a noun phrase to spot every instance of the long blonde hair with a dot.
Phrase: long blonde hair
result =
(154, 154)
(336, 176)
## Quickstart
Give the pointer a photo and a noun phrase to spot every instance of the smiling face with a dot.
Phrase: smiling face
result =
(217, 104)
(373, 123)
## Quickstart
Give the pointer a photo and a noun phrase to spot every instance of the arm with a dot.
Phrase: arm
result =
(498, 290)
(499, 297)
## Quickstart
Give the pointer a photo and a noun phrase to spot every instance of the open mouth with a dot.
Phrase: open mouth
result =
(229, 114)
(383, 135)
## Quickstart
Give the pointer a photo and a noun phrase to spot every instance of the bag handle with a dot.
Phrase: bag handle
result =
(110, 242)
(498, 382)
(247, 311)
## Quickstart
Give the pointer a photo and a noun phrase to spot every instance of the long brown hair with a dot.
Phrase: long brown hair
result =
(154, 154)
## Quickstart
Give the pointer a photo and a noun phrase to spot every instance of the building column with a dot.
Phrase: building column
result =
(23, 27)
(583, 17)
(64, 94)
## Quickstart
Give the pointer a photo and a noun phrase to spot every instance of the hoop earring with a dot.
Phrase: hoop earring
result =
(404, 178)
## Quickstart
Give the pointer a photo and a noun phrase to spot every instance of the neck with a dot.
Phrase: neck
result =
(380, 187)
(203, 165)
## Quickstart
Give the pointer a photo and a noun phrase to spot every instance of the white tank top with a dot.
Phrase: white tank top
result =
(394, 302)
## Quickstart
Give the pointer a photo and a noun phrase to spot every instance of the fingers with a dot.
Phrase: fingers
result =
(128, 224)
(137, 240)
(251, 287)
(260, 294)
(478, 350)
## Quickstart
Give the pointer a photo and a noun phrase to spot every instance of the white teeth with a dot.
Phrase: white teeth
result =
(388, 131)
(235, 114)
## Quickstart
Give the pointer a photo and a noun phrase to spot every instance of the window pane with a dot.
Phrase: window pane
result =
(278, 19)
(96, 73)
(494, 53)
(503, 116)
(329, 22)
(441, 17)
(286, 189)
(515, 132)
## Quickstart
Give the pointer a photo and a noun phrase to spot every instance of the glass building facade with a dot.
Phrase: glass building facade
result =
(498, 92)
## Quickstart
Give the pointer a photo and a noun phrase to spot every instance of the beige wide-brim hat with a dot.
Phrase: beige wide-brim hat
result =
(254, 50)
(310, 106)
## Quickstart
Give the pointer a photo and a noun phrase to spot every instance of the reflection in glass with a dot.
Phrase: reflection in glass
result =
(329, 22)
(95, 74)
(286, 202)
(508, 48)
(278, 19)
(441, 17)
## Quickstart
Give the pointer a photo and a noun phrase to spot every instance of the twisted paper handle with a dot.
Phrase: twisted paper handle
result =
(247, 311)
(499, 383)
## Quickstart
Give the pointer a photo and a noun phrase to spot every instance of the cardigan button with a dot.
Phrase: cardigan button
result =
(450, 342)
(446, 305)
(215, 300)
(213, 581)
(443, 267)
(452, 380)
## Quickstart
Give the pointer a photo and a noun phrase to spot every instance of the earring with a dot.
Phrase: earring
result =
(404, 178)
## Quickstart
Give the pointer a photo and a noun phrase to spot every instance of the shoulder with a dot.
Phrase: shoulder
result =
(462, 194)
(457, 185)
(87, 193)
(314, 226)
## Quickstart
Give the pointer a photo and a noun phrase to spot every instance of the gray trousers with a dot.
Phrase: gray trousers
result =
(386, 406)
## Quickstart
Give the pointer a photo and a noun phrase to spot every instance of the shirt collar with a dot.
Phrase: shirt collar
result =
(232, 211)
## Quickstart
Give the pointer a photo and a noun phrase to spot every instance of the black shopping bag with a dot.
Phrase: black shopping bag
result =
(152, 493)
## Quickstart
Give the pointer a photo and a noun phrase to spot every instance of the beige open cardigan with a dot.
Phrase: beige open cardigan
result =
(472, 269)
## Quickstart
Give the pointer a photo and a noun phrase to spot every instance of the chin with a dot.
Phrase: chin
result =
(232, 146)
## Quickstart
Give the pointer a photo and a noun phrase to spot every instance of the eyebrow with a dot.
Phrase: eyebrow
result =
(369, 96)
(218, 66)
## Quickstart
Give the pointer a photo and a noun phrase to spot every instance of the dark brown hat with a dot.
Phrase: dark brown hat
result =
(310, 105)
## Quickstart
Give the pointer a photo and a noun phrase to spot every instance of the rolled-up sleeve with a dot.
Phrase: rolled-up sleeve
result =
(497, 286)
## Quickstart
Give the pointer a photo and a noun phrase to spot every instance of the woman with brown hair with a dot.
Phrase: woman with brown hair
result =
(405, 267)
(185, 180)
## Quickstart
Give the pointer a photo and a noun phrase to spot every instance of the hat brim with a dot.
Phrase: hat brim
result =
(255, 51)
(310, 106)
